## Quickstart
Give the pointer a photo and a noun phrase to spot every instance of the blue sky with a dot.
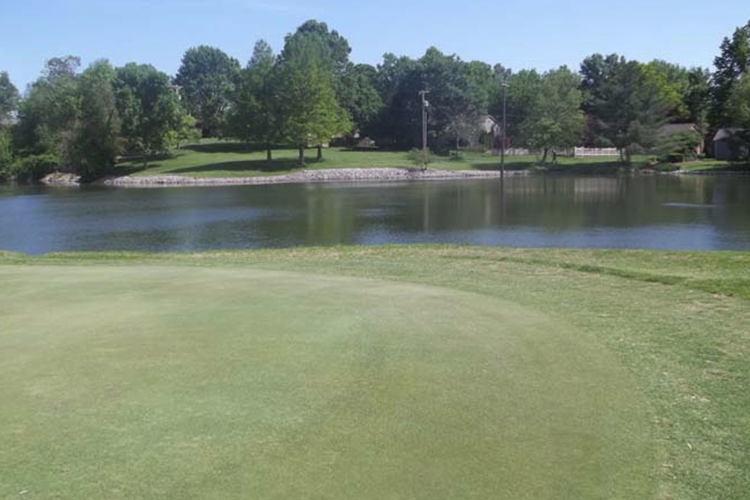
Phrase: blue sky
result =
(538, 34)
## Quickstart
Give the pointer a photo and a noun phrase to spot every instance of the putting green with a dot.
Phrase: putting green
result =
(220, 383)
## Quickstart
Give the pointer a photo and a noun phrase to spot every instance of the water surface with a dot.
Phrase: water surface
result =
(661, 212)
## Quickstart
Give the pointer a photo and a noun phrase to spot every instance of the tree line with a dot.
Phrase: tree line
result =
(311, 92)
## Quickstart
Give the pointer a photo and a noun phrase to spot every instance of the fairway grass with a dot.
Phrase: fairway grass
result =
(403, 372)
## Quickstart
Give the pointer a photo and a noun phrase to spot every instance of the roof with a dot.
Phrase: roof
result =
(725, 133)
(676, 128)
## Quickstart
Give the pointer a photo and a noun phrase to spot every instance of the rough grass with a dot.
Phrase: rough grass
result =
(229, 159)
(404, 372)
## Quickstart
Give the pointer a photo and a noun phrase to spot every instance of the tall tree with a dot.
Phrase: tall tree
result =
(207, 78)
(697, 98)
(521, 95)
(674, 84)
(359, 96)
(9, 98)
(739, 116)
(335, 48)
(625, 103)
(255, 113)
(731, 64)
(310, 112)
(554, 118)
(47, 116)
(149, 109)
(94, 145)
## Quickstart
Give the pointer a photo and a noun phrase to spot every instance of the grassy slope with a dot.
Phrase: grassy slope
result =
(226, 159)
(667, 318)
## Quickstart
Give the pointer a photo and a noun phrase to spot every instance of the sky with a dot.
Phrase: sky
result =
(520, 34)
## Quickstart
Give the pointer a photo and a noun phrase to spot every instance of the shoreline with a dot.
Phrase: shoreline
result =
(302, 177)
(327, 176)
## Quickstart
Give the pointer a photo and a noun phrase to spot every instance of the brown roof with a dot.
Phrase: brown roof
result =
(676, 128)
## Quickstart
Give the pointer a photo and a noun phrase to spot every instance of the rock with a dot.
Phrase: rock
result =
(306, 176)
(61, 179)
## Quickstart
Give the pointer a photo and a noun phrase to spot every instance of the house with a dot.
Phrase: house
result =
(725, 146)
(491, 132)
(680, 128)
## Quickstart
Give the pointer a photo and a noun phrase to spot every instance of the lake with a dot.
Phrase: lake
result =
(648, 212)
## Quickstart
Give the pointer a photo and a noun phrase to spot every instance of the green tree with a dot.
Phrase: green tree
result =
(674, 84)
(522, 92)
(624, 102)
(9, 98)
(335, 48)
(399, 122)
(697, 98)
(739, 116)
(310, 113)
(554, 118)
(256, 108)
(207, 79)
(149, 109)
(47, 116)
(359, 96)
(94, 144)
(730, 65)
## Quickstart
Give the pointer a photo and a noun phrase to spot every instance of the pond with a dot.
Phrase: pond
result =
(655, 212)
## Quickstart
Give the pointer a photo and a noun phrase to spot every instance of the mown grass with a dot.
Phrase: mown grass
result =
(710, 164)
(401, 372)
(229, 159)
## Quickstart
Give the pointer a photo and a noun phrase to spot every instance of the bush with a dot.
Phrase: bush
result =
(421, 158)
(675, 158)
(456, 156)
(33, 168)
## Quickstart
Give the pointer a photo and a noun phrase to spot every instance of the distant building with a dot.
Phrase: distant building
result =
(679, 128)
(724, 149)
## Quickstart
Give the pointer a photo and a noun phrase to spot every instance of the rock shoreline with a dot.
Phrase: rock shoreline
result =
(305, 176)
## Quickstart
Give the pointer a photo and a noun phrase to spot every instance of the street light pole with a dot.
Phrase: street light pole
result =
(422, 94)
(505, 125)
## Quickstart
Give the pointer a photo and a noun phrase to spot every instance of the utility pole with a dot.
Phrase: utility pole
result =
(425, 105)
(505, 126)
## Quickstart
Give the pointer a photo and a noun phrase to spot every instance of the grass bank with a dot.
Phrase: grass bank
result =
(403, 372)
(229, 159)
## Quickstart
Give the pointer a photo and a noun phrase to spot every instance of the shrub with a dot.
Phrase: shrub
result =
(32, 168)
(675, 158)
(456, 156)
(421, 158)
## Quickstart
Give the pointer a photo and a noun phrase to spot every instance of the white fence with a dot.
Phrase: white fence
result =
(589, 152)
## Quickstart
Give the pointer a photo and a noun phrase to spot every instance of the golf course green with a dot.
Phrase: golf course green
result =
(375, 373)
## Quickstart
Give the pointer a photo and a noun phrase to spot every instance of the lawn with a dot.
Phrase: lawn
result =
(709, 164)
(371, 373)
(213, 158)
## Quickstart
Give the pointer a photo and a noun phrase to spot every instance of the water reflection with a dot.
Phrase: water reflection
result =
(614, 212)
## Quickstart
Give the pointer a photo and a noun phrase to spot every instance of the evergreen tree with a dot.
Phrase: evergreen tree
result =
(731, 64)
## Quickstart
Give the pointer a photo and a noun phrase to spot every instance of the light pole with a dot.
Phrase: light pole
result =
(425, 105)
(505, 126)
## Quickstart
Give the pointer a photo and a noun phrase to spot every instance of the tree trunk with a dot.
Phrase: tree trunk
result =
(320, 152)
(301, 160)
(544, 158)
